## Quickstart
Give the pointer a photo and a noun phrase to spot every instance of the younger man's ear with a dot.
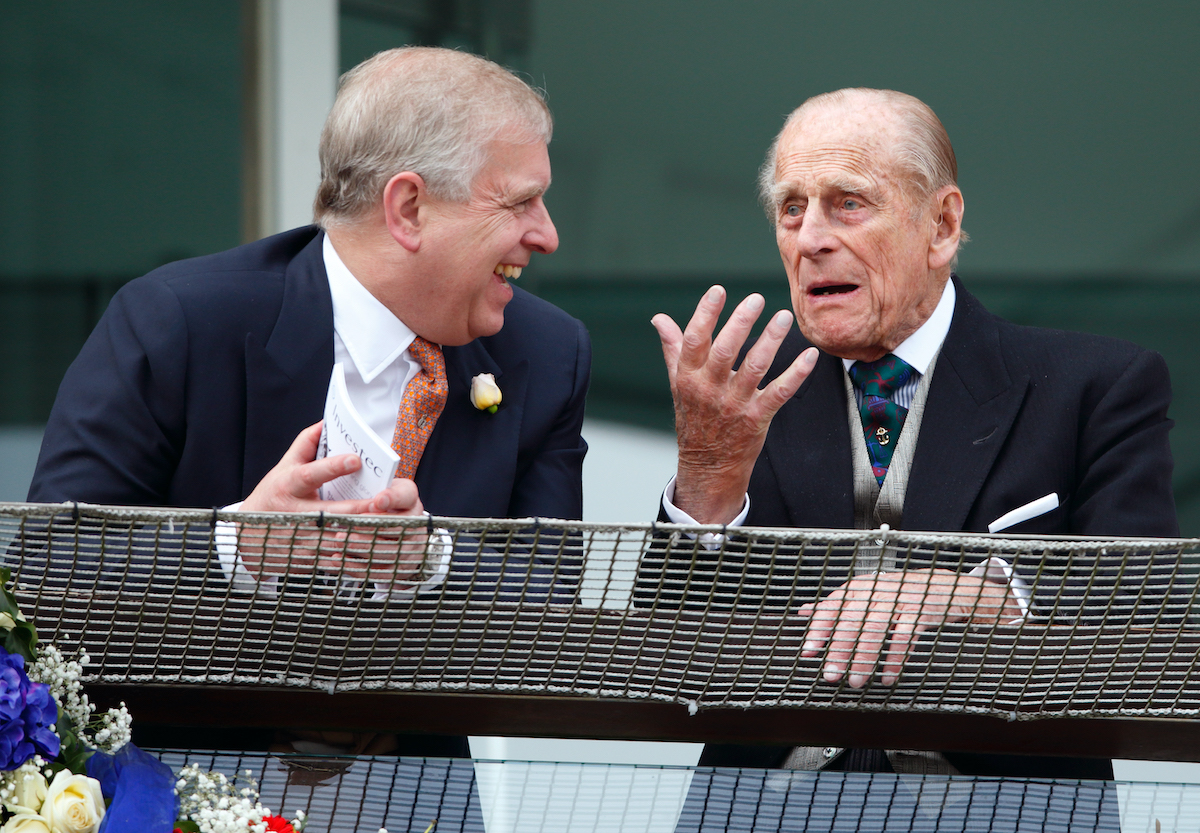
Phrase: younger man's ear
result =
(404, 208)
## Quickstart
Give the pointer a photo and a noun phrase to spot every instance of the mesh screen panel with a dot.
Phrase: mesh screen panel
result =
(406, 794)
(635, 612)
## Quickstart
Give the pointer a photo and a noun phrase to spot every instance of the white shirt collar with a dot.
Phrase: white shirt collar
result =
(372, 335)
(920, 347)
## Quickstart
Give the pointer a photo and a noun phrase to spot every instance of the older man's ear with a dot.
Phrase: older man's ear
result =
(948, 233)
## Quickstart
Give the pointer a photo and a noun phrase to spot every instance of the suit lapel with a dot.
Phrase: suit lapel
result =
(469, 465)
(972, 404)
(808, 449)
(287, 371)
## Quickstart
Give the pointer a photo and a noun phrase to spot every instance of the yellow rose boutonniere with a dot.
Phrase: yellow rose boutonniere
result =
(485, 395)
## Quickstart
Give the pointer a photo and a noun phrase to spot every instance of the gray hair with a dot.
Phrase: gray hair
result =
(922, 153)
(428, 110)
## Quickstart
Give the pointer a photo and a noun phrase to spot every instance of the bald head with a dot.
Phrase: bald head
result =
(910, 135)
(868, 218)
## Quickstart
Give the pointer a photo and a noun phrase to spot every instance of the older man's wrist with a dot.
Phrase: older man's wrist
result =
(711, 496)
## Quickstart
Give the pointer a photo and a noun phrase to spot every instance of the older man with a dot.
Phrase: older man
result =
(204, 381)
(901, 400)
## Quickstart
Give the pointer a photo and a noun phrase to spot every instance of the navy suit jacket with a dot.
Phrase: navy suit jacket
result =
(1013, 413)
(201, 374)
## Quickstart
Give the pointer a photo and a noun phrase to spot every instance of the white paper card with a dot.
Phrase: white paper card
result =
(345, 432)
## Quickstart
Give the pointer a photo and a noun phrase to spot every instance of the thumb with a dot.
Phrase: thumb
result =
(672, 342)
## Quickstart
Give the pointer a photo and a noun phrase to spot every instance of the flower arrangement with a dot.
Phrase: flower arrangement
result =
(65, 769)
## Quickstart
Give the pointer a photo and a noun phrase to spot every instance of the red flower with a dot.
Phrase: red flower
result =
(278, 824)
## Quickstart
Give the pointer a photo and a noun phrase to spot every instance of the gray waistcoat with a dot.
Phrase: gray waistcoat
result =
(874, 506)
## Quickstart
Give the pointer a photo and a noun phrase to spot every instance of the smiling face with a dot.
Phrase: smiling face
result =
(857, 250)
(470, 250)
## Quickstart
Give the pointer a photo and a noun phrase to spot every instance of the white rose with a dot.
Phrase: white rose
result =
(29, 791)
(73, 804)
(6, 622)
(485, 394)
(24, 822)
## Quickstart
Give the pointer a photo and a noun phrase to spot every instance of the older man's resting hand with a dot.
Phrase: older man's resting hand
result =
(855, 620)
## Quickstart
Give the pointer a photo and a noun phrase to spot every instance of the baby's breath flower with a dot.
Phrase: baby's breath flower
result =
(111, 730)
(64, 678)
(219, 805)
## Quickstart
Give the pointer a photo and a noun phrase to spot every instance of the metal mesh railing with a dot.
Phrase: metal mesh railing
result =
(635, 612)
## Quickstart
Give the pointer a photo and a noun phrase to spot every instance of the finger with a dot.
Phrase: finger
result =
(334, 507)
(846, 631)
(784, 386)
(304, 480)
(837, 628)
(868, 646)
(331, 540)
(733, 335)
(304, 448)
(759, 357)
(841, 648)
(401, 498)
(698, 336)
(672, 342)
(339, 566)
(903, 633)
(291, 559)
(380, 559)
(822, 617)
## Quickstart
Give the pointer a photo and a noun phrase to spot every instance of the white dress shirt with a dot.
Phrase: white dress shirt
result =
(372, 345)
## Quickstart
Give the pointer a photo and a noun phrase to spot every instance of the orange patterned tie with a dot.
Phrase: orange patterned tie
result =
(421, 406)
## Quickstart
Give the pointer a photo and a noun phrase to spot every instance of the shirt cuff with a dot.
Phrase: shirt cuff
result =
(239, 578)
(999, 571)
(437, 566)
(710, 540)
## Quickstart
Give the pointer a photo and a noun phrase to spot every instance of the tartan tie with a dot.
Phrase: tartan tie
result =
(882, 419)
(420, 407)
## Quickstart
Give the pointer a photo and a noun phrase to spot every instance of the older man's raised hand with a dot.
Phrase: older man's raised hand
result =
(721, 415)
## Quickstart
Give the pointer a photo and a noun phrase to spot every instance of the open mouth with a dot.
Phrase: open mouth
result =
(507, 271)
(835, 289)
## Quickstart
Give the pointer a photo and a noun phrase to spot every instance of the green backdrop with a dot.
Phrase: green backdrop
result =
(1075, 125)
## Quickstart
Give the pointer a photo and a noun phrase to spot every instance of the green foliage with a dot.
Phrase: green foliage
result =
(22, 639)
(74, 753)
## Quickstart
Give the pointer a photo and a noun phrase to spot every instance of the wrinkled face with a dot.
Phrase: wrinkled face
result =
(474, 248)
(857, 261)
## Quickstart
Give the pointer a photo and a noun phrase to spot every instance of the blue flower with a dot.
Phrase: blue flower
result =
(27, 711)
(41, 713)
(12, 685)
